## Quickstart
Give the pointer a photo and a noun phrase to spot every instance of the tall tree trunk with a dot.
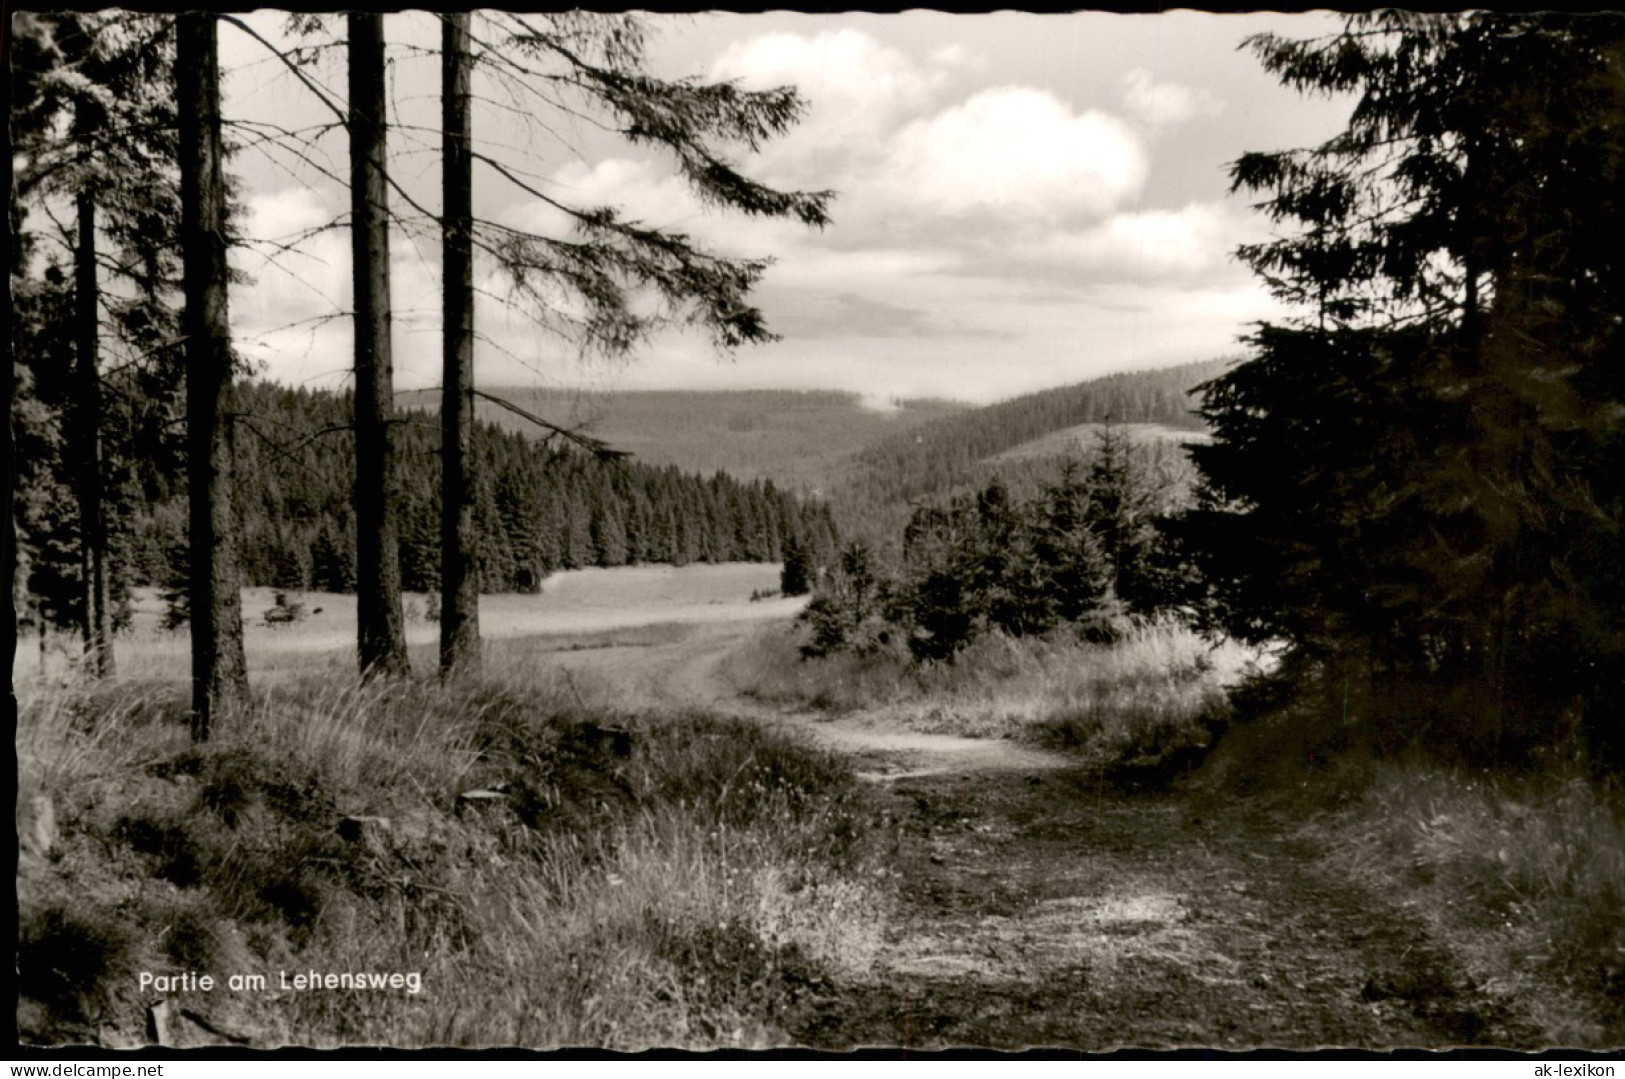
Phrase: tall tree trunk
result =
(219, 671)
(380, 621)
(459, 581)
(8, 537)
(96, 618)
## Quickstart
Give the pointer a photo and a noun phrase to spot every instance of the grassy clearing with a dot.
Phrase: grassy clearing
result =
(1137, 706)
(555, 873)
(584, 604)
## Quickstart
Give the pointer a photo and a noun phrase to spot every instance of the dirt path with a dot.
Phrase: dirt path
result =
(1041, 908)
(685, 675)
(1045, 910)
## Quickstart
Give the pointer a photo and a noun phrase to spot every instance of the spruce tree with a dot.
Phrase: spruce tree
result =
(92, 122)
(796, 578)
(1415, 482)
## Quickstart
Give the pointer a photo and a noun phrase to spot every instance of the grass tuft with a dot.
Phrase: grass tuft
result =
(1519, 875)
(67, 958)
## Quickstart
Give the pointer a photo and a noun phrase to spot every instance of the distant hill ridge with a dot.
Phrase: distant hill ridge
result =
(800, 439)
(945, 454)
(871, 464)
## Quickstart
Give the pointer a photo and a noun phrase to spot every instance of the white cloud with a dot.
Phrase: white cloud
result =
(283, 214)
(844, 73)
(956, 56)
(278, 317)
(1018, 153)
(653, 195)
(294, 319)
(1194, 240)
(1166, 104)
(637, 188)
(904, 169)
(857, 91)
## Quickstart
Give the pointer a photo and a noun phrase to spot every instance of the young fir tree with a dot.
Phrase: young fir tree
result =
(1119, 509)
(796, 578)
(1077, 576)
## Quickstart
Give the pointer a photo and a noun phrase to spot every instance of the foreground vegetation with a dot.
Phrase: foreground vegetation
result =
(1523, 877)
(1519, 876)
(556, 874)
(560, 873)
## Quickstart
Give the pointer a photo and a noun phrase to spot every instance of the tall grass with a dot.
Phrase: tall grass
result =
(1157, 690)
(1523, 876)
(557, 874)
(1518, 874)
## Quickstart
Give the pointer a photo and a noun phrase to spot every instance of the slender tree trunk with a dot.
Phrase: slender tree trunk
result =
(8, 537)
(96, 618)
(219, 671)
(459, 580)
(380, 621)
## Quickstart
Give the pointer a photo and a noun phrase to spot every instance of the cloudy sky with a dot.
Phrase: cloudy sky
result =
(1023, 201)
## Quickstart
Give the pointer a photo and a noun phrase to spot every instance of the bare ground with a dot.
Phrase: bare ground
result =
(1039, 907)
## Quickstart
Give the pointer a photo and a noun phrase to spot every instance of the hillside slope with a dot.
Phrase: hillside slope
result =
(536, 510)
(801, 440)
(872, 465)
(1019, 440)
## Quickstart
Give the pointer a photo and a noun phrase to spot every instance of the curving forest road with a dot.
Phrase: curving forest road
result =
(1041, 909)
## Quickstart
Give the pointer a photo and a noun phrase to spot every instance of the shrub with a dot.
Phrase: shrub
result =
(941, 614)
(845, 614)
(986, 563)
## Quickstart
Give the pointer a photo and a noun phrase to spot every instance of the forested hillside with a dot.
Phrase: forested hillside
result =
(873, 465)
(540, 508)
(953, 454)
(799, 439)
